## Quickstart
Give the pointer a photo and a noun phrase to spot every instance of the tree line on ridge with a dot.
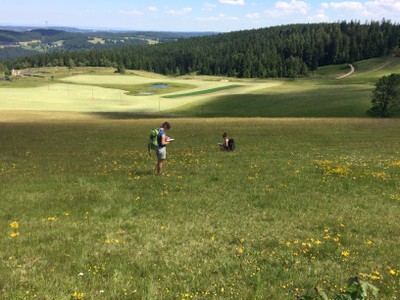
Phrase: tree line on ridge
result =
(281, 51)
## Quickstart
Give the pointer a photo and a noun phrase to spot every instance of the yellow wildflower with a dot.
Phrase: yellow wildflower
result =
(14, 234)
(345, 253)
(78, 295)
(14, 224)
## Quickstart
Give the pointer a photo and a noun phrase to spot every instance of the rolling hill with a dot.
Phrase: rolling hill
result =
(100, 90)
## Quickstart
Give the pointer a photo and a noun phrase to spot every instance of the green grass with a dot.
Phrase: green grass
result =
(289, 100)
(103, 91)
(202, 92)
(300, 203)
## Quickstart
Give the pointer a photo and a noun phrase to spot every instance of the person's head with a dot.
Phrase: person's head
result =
(225, 135)
(166, 125)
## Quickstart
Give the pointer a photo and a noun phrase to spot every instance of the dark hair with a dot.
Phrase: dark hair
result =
(166, 125)
(224, 135)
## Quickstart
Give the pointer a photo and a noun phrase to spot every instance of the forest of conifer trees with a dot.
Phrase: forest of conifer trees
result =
(281, 51)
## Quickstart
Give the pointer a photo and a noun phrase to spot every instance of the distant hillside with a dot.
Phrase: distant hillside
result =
(32, 41)
(281, 51)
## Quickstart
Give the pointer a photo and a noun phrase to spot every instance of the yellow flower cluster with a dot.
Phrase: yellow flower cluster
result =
(394, 163)
(345, 253)
(374, 276)
(14, 225)
(311, 248)
(330, 168)
(394, 197)
(94, 269)
(308, 248)
(379, 175)
(76, 295)
(111, 241)
(14, 234)
(393, 272)
(356, 168)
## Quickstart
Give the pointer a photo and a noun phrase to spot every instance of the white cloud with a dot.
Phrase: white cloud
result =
(289, 8)
(220, 17)
(152, 8)
(208, 6)
(389, 8)
(253, 16)
(319, 17)
(346, 5)
(232, 18)
(233, 2)
(131, 12)
(183, 11)
(357, 9)
(324, 5)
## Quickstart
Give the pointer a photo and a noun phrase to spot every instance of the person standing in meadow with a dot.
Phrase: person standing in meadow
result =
(161, 151)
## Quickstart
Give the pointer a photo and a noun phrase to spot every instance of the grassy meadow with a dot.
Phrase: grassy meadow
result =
(309, 199)
(101, 90)
(300, 203)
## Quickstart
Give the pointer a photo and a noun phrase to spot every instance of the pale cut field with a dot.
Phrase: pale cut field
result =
(83, 93)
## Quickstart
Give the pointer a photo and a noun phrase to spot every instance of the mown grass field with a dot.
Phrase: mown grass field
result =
(101, 90)
(300, 203)
(303, 202)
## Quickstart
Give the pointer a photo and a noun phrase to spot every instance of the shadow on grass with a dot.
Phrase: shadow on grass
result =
(332, 102)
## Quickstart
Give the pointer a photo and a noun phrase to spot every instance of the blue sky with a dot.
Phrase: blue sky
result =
(179, 15)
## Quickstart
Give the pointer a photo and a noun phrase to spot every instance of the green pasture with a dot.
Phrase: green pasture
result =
(102, 90)
(310, 197)
(202, 92)
(300, 203)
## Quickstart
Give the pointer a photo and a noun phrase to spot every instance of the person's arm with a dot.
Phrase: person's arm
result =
(163, 140)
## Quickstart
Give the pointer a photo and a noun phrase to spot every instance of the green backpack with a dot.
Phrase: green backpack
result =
(153, 142)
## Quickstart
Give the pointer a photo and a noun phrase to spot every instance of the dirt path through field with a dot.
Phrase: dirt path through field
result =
(382, 66)
(347, 74)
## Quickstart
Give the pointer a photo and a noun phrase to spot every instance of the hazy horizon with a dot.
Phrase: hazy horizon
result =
(190, 16)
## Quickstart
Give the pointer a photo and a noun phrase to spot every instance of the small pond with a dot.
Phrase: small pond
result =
(160, 86)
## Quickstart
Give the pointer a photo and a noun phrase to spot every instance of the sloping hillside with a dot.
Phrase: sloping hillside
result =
(283, 51)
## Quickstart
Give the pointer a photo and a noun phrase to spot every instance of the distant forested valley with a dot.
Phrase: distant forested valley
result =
(282, 51)
(18, 42)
